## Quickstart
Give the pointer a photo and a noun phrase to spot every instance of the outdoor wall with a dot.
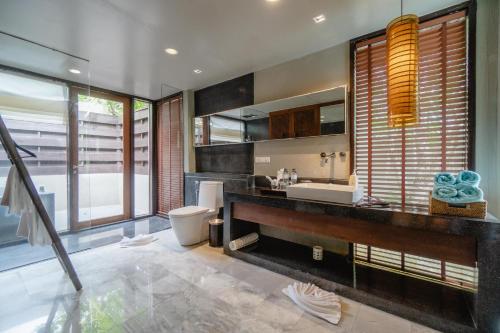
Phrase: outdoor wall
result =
(106, 196)
(142, 194)
(322, 70)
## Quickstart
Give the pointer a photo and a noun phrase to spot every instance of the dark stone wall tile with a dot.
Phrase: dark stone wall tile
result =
(237, 158)
(226, 95)
(232, 182)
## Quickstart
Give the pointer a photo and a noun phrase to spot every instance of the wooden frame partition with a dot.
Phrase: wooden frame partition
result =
(73, 167)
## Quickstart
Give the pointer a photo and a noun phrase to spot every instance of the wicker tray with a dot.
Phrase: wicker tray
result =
(474, 209)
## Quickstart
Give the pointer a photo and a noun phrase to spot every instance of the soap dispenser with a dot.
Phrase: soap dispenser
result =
(353, 179)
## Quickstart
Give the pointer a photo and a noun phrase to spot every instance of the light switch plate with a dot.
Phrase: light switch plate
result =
(263, 159)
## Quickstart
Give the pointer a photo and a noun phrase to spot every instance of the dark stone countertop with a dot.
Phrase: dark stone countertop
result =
(411, 217)
(222, 175)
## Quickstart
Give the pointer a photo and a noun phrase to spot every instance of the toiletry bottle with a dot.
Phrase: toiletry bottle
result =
(293, 177)
(279, 178)
(286, 178)
(353, 179)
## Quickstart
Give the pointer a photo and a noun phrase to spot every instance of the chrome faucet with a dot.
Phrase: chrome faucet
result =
(325, 157)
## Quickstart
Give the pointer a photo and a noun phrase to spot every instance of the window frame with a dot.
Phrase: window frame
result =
(157, 208)
(150, 154)
(470, 8)
(72, 85)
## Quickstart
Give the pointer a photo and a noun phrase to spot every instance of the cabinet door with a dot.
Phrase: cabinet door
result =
(280, 125)
(306, 122)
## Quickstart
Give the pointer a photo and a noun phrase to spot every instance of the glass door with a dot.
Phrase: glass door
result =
(101, 161)
(35, 112)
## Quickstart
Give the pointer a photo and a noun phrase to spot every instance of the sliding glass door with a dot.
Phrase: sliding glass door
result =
(101, 161)
(82, 141)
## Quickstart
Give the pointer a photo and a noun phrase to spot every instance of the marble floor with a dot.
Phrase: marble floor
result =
(21, 254)
(163, 287)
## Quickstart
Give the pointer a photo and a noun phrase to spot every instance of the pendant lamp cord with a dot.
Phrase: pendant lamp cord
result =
(401, 7)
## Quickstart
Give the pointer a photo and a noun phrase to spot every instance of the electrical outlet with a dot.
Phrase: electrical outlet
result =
(263, 159)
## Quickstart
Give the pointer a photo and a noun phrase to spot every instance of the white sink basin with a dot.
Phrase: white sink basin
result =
(343, 194)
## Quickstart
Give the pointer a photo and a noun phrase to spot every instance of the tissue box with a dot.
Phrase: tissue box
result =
(474, 209)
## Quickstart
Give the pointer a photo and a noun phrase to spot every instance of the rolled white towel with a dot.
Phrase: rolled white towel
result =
(243, 241)
(318, 302)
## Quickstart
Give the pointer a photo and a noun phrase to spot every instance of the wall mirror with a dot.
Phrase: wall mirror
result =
(315, 114)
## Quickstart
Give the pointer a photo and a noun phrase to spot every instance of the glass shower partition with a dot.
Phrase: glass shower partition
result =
(36, 105)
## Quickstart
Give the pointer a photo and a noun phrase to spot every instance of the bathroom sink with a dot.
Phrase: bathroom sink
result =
(343, 194)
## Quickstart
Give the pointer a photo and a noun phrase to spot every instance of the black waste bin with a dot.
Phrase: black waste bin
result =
(215, 233)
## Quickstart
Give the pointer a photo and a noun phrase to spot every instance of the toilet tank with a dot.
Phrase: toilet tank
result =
(211, 195)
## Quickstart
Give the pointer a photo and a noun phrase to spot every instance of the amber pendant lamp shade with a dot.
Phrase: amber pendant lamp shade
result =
(402, 71)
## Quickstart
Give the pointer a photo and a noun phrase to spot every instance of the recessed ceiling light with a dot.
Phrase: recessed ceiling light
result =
(171, 51)
(272, 0)
(74, 71)
(319, 18)
(197, 71)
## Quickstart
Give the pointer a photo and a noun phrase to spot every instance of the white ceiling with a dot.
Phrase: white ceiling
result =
(125, 39)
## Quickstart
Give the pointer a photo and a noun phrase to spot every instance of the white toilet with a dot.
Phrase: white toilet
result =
(190, 223)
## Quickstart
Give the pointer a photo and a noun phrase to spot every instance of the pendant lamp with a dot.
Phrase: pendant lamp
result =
(402, 70)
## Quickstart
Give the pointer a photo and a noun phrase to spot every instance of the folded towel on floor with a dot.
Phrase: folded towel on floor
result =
(444, 192)
(318, 302)
(468, 177)
(137, 240)
(444, 178)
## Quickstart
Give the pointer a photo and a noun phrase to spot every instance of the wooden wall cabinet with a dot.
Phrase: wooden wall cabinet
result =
(280, 125)
(295, 123)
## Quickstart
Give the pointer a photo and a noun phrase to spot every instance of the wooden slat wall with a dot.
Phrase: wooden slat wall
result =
(170, 155)
(397, 164)
(101, 139)
(141, 141)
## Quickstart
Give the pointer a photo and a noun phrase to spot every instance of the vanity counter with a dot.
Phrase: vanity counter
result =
(412, 217)
(463, 241)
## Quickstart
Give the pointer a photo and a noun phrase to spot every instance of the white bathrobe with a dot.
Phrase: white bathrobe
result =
(17, 198)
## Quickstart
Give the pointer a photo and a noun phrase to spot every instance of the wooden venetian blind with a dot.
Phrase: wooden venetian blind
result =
(170, 155)
(398, 164)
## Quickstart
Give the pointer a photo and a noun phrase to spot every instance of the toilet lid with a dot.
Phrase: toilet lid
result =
(188, 211)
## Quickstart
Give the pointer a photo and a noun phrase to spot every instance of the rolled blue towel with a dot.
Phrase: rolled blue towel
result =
(444, 178)
(445, 192)
(468, 193)
(468, 177)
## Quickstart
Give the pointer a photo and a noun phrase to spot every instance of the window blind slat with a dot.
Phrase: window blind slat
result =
(440, 141)
(170, 155)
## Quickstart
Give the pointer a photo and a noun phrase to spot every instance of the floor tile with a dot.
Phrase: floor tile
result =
(164, 287)
(371, 320)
